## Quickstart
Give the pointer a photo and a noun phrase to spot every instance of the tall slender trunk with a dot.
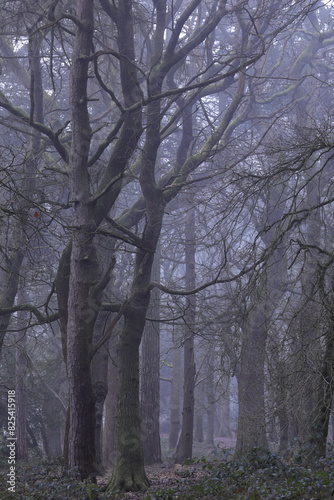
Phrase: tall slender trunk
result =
(175, 398)
(100, 384)
(54, 422)
(185, 443)
(109, 428)
(10, 268)
(311, 358)
(20, 241)
(210, 394)
(199, 408)
(21, 372)
(225, 410)
(251, 432)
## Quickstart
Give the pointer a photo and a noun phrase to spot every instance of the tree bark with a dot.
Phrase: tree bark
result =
(266, 294)
(210, 392)
(21, 372)
(150, 375)
(251, 432)
(225, 411)
(109, 428)
(128, 472)
(199, 408)
(185, 443)
(100, 385)
(54, 422)
(175, 398)
(84, 269)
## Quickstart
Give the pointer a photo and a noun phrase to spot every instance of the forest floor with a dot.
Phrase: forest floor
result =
(168, 476)
(213, 474)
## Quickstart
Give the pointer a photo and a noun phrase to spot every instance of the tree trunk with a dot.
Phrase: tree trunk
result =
(150, 375)
(185, 443)
(10, 268)
(53, 423)
(225, 412)
(128, 472)
(81, 442)
(210, 392)
(199, 409)
(109, 428)
(84, 269)
(266, 295)
(251, 432)
(20, 385)
(175, 397)
(282, 410)
(315, 391)
(324, 395)
(100, 384)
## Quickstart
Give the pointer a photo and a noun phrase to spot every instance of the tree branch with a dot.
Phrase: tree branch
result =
(4, 103)
(34, 310)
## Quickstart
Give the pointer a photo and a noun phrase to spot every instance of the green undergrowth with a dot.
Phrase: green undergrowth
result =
(258, 475)
(49, 480)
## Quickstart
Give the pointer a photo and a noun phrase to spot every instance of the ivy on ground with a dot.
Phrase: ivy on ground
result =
(258, 475)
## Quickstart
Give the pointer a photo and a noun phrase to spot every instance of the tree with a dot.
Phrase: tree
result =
(150, 375)
(185, 442)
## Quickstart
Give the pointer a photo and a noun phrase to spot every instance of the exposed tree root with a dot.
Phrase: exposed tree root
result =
(128, 482)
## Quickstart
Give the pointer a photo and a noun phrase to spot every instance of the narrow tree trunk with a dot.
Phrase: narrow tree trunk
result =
(100, 385)
(199, 410)
(20, 385)
(175, 397)
(315, 361)
(282, 411)
(109, 428)
(225, 412)
(251, 432)
(266, 294)
(210, 392)
(53, 424)
(10, 268)
(185, 443)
